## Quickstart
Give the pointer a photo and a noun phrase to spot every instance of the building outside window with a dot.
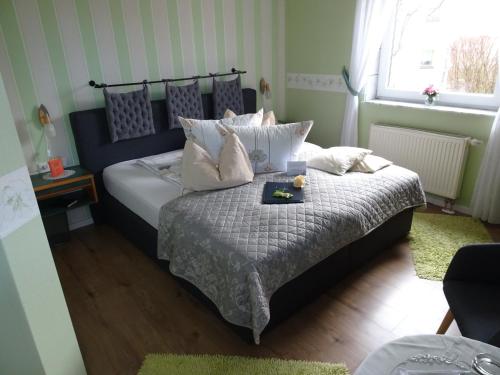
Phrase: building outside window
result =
(451, 44)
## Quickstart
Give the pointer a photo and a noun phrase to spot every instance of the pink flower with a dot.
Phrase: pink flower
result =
(430, 91)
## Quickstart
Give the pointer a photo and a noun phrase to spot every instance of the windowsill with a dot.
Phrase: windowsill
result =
(439, 108)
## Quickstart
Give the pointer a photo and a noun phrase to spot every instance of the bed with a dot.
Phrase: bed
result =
(139, 213)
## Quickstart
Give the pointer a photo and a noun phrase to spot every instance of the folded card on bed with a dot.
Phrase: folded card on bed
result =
(295, 168)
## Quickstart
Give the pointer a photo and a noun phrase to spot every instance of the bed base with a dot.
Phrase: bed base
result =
(294, 294)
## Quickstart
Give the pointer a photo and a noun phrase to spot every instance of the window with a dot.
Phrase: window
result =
(451, 44)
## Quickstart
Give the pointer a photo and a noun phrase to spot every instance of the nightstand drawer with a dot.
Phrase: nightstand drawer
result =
(81, 185)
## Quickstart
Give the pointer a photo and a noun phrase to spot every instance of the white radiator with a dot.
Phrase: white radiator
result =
(438, 158)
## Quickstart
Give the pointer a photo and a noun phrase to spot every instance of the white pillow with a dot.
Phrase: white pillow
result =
(308, 150)
(371, 164)
(337, 160)
(250, 119)
(203, 131)
(270, 147)
(268, 118)
(205, 134)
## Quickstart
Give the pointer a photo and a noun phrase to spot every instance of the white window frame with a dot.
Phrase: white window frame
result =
(480, 101)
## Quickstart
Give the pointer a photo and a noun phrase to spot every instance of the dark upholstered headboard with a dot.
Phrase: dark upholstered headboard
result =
(96, 151)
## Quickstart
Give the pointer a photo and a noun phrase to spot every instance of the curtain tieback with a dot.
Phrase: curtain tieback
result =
(345, 75)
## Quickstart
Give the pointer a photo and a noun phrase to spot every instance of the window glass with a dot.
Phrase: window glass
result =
(451, 44)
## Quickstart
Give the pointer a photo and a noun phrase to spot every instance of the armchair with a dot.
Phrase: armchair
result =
(472, 288)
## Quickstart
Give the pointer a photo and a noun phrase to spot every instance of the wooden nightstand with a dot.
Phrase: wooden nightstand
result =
(56, 197)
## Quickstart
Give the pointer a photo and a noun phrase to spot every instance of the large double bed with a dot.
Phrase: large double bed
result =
(252, 263)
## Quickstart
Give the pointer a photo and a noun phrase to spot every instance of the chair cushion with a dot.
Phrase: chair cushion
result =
(476, 307)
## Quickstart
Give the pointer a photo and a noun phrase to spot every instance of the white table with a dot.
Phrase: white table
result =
(385, 359)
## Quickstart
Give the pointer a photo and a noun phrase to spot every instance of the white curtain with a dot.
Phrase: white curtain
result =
(486, 198)
(371, 21)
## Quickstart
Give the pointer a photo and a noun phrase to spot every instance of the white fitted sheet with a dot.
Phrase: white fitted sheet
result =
(139, 190)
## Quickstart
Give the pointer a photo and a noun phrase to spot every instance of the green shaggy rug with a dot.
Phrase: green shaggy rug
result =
(435, 238)
(162, 364)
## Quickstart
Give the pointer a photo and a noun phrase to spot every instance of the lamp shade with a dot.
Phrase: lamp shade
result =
(265, 88)
(45, 121)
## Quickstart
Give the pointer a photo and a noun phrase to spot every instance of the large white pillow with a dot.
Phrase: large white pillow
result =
(205, 134)
(371, 164)
(308, 150)
(337, 160)
(267, 119)
(250, 119)
(203, 131)
(270, 147)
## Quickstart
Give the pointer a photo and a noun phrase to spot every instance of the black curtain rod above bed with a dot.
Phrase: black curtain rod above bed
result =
(165, 80)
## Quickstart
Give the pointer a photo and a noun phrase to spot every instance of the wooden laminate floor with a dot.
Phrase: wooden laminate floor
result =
(123, 307)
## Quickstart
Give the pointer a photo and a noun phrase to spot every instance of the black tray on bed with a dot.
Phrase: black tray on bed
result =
(270, 187)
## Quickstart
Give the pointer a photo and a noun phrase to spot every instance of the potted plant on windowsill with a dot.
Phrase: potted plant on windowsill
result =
(431, 94)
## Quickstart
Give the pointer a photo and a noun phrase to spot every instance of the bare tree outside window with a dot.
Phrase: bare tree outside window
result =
(473, 65)
(453, 45)
(454, 61)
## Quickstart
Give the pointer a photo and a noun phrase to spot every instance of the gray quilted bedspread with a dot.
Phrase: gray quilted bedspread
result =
(238, 251)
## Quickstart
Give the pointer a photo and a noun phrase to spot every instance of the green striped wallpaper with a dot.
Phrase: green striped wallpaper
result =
(50, 49)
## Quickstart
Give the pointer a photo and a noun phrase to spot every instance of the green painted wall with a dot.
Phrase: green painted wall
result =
(36, 333)
(12, 156)
(50, 49)
(14, 328)
(318, 41)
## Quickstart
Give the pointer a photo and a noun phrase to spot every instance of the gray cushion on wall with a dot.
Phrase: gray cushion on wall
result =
(184, 101)
(227, 95)
(129, 114)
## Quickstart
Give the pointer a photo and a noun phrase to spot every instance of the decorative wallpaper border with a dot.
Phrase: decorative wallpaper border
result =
(17, 201)
(318, 82)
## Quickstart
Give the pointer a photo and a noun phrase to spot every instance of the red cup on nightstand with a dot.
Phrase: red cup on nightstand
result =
(56, 166)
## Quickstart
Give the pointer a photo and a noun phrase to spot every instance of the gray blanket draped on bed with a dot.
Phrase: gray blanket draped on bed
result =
(238, 251)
